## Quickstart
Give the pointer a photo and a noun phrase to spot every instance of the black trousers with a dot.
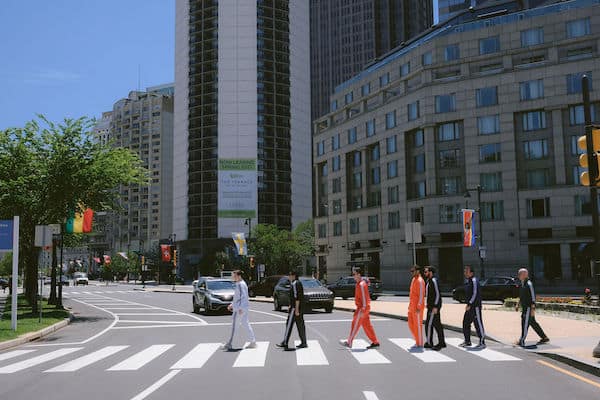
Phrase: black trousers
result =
(299, 320)
(473, 315)
(526, 320)
(434, 321)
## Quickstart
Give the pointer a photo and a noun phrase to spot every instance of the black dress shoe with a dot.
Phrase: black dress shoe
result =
(282, 346)
(302, 346)
(442, 345)
(437, 347)
(543, 340)
(427, 346)
(373, 346)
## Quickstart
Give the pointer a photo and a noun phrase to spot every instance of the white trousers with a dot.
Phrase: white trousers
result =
(241, 317)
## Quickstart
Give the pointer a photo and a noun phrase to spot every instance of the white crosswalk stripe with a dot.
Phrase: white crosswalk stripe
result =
(197, 357)
(367, 356)
(88, 359)
(21, 365)
(312, 355)
(142, 358)
(488, 354)
(428, 356)
(252, 357)
(13, 354)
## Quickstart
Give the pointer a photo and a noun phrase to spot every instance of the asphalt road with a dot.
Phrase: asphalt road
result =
(127, 344)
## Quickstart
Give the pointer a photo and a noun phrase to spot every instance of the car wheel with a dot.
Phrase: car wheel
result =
(276, 304)
(374, 298)
(206, 307)
(329, 309)
(344, 297)
(195, 305)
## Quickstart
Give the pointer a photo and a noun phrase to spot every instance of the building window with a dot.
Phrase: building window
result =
(419, 163)
(336, 185)
(448, 131)
(445, 103)
(357, 158)
(420, 189)
(532, 37)
(534, 120)
(538, 178)
(393, 194)
(321, 148)
(336, 163)
(488, 125)
(405, 69)
(337, 206)
(574, 83)
(490, 153)
(390, 120)
(538, 208)
(365, 89)
(577, 115)
(489, 45)
(427, 58)
(324, 170)
(417, 215)
(583, 206)
(322, 231)
(375, 152)
(392, 169)
(352, 135)
(375, 176)
(373, 223)
(418, 138)
(491, 182)
(535, 149)
(452, 52)
(487, 96)
(357, 202)
(413, 110)
(450, 185)
(335, 142)
(370, 127)
(334, 105)
(394, 220)
(577, 28)
(492, 211)
(577, 171)
(449, 213)
(391, 145)
(354, 226)
(531, 90)
(356, 180)
(337, 228)
(384, 79)
(575, 150)
(349, 97)
(449, 158)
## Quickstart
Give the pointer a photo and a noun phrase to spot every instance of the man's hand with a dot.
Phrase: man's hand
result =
(230, 308)
(434, 311)
(468, 307)
(533, 311)
(517, 307)
(297, 312)
(240, 311)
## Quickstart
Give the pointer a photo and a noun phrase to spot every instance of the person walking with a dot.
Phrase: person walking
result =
(527, 300)
(472, 309)
(416, 305)
(361, 318)
(240, 307)
(295, 313)
(434, 306)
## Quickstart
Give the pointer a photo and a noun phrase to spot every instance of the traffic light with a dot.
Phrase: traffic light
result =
(143, 260)
(584, 158)
(251, 262)
(175, 257)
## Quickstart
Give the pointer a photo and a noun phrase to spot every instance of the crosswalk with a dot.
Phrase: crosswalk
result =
(92, 292)
(202, 354)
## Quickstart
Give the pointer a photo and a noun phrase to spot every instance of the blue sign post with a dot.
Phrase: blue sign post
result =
(6, 234)
(9, 240)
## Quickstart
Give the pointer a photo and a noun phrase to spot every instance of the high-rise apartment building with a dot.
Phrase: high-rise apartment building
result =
(347, 35)
(446, 9)
(242, 122)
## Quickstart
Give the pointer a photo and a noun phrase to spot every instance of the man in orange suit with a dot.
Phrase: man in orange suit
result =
(362, 299)
(416, 305)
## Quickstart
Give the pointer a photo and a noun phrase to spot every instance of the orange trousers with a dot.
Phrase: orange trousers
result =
(361, 319)
(415, 324)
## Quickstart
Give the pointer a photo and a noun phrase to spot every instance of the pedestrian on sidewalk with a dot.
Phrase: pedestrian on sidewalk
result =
(361, 318)
(240, 307)
(295, 313)
(472, 309)
(527, 300)
(416, 305)
(434, 307)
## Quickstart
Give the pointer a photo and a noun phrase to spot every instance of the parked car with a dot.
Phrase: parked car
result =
(345, 286)
(80, 278)
(3, 283)
(315, 295)
(265, 287)
(212, 294)
(493, 288)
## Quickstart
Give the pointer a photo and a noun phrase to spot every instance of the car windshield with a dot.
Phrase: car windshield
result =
(310, 283)
(219, 285)
(80, 275)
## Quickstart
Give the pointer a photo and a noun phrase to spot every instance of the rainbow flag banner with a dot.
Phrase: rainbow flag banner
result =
(80, 221)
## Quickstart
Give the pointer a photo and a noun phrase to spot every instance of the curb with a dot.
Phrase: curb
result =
(573, 362)
(31, 336)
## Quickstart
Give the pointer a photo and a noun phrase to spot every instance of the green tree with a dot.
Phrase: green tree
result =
(6, 264)
(47, 169)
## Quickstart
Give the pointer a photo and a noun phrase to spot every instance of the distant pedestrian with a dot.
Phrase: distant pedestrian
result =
(527, 300)
(240, 307)
(361, 318)
(472, 309)
(416, 305)
(295, 313)
(434, 307)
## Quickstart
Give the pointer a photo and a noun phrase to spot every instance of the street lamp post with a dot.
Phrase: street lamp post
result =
(467, 196)
(172, 241)
(248, 223)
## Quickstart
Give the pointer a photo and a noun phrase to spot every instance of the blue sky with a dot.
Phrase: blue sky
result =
(72, 58)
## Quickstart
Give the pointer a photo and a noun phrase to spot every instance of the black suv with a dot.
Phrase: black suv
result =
(315, 295)
(494, 288)
(265, 287)
(345, 286)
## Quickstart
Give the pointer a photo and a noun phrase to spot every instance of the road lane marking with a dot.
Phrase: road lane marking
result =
(13, 354)
(139, 321)
(142, 358)
(428, 356)
(367, 356)
(186, 325)
(88, 359)
(19, 366)
(252, 357)
(569, 373)
(155, 386)
(148, 314)
(485, 353)
(197, 357)
(312, 355)
(268, 313)
(370, 395)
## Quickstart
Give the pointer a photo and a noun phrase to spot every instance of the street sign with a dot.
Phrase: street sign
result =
(261, 268)
(412, 232)
(43, 236)
(6, 234)
(482, 252)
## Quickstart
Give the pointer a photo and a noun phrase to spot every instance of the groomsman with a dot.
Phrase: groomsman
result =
(434, 306)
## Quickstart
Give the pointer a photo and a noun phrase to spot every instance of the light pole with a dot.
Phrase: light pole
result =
(172, 241)
(248, 223)
(467, 196)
